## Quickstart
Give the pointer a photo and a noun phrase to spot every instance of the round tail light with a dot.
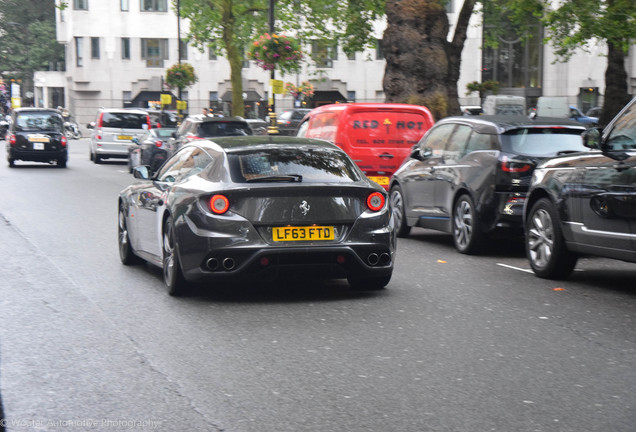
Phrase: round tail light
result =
(219, 204)
(376, 201)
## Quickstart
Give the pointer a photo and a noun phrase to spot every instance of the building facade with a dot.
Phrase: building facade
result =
(117, 53)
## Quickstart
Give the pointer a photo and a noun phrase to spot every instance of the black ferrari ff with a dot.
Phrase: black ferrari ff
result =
(258, 207)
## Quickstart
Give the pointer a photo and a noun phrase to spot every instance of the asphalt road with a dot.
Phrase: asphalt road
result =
(455, 343)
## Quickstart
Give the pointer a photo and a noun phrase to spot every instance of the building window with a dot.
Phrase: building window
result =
(351, 56)
(79, 57)
(94, 47)
(183, 46)
(154, 51)
(125, 48)
(324, 52)
(80, 4)
(379, 50)
(125, 6)
(351, 96)
(211, 53)
(516, 60)
(154, 5)
(126, 96)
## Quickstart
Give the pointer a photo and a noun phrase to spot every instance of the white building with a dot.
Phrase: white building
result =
(117, 53)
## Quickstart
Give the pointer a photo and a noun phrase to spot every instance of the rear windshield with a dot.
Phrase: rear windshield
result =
(39, 121)
(548, 141)
(125, 120)
(292, 165)
(164, 132)
(219, 129)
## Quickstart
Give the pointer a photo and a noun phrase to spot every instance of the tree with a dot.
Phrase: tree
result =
(229, 27)
(573, 25)
(422, 67)
(27, 39)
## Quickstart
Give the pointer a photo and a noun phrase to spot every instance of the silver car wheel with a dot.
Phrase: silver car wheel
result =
(540, 238)
(463, 224)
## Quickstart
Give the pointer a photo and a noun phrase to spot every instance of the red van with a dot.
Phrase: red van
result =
(377, 136)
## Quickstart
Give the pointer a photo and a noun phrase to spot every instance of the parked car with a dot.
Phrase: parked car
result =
(201, 127)
(37, 135)
(162, 118)
(289, 120)
(577, 115)
(469, 175)
(114, 130)
(151, 149)
(595, 112)
(377, 136)
(505, 105)
(257, 207)
(585, 204)
(4, 125)
(258, 126)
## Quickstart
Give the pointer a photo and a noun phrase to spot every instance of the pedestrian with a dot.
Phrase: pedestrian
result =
(205, 112)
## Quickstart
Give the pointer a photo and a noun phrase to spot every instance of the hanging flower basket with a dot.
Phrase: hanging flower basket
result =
(304, 91)
(276, 51)
(180, 75)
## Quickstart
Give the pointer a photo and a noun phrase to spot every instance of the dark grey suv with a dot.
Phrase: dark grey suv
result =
(585, 204)
(202, 127)
(469, 175)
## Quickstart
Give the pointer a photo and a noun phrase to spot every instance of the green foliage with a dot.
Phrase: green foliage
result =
(482, 88)
(180, 75)
(276, 51)
(27, 39)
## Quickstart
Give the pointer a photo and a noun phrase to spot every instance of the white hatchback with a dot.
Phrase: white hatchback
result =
(114, 130)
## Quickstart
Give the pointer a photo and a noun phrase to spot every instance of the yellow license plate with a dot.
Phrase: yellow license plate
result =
(302, 233)
(39, 139)
(382, 181)
(124, 138)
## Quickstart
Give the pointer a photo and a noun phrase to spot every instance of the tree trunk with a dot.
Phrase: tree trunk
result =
(235, 58)
(616, 96)
(422, 67)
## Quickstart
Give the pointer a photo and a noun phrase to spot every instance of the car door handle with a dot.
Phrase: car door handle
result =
(621, 166)
(386, 156)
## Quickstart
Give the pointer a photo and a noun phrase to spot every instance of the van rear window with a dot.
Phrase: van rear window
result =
(391, 129)
(124, 120)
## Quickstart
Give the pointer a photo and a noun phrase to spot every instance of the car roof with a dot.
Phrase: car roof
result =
(498, 124)
(124, 110)
(34, 109)
(207, 119)
(241, 143)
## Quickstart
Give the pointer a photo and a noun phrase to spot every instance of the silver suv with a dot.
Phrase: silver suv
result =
(114, 130)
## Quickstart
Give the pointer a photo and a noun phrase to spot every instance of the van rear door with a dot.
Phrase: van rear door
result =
(379, 139)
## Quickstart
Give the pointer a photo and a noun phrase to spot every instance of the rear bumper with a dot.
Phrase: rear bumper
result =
(37, 156)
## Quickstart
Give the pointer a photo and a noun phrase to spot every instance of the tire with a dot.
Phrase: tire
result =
(77, 135)
(467, 234)
(399, 214)
(368, 283)
(97, 159)
(130, 167)
(126, 252)
(172, 273)
(69, 134)
(61, 163)
(545, 245)
(11, 162)
(91, 156)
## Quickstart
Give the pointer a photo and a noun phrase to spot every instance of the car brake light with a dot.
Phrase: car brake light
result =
(219, 204)
(375, 201)
(148, 122)
(99, 121)
(63, 141)
(512, 166)
(158, 143)
(12, 139)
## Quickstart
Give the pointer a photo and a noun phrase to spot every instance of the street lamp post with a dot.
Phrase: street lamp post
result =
(273, 128)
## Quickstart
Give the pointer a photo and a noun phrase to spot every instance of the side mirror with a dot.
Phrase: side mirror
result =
(135, 140)
(592, 138)
(141, 172)
(174, 134)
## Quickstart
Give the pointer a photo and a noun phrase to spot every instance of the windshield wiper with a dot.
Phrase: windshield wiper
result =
(277, 178)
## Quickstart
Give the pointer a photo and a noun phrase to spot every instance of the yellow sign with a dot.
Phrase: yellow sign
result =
(277, 86)
(182, 105)
(166, 99)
